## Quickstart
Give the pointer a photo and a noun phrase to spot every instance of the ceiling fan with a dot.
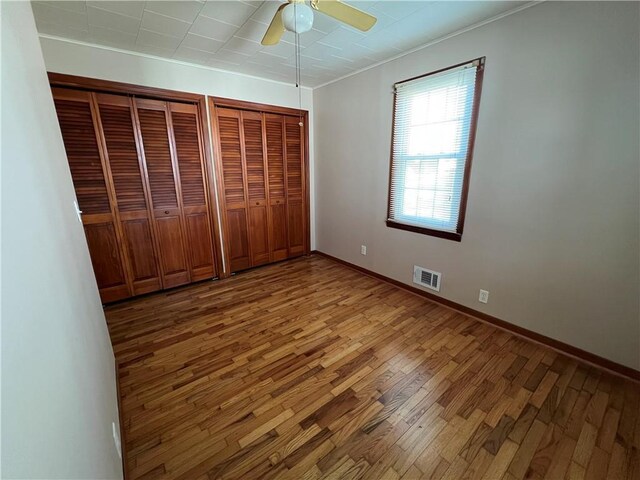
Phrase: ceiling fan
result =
(296, 16)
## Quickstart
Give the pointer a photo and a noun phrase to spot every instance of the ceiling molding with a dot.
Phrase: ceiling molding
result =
(437, 40)
(164, 59)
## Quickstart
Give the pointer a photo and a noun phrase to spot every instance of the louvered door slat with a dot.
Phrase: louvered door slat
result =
(124, 164)
(275, 155)
(153, 126)
(231, 151)
(123, 156)
(254, 157)
(78, 127)
(192, 185)
(294, 156)
(169, 223)
(185, 128)
(79, 138)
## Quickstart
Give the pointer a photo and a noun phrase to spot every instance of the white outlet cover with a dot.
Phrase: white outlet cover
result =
(363, 249)
(484, 296)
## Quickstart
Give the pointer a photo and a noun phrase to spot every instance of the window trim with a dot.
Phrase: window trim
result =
(457, 235)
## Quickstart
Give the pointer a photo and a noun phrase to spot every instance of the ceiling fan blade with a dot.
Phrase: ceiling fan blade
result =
(345, 13)
(276, 28)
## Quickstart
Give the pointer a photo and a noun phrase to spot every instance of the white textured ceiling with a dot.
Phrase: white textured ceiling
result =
(226, 34)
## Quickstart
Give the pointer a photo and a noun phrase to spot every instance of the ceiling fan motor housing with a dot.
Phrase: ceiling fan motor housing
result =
(297, 17)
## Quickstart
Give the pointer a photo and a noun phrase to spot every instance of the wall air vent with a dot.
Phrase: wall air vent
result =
(427, 278)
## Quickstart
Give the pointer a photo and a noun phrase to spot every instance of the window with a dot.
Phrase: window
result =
(433, 133)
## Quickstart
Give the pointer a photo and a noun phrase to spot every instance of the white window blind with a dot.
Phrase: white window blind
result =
(431, 136)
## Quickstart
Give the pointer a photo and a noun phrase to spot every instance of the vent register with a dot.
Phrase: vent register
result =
(427, 278)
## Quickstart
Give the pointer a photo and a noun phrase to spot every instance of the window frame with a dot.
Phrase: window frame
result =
(457, 235)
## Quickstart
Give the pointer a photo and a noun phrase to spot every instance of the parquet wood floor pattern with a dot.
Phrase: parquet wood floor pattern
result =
(308, 369)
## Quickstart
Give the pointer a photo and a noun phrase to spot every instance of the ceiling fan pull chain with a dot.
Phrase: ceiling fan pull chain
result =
(299, 78)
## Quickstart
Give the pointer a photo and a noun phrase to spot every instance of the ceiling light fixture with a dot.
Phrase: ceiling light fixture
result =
(297, 17)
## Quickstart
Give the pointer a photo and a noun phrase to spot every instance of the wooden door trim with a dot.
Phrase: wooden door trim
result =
(108, 86)
(206, 119)
(256, 107)
(222, 200)
(306, 194)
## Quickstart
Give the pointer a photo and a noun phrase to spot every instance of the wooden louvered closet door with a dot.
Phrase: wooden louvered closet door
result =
(77, 119)
(274, 127)
(161, 167)
(296, 210)
(233, 189)
(195, 204)
(263, 186)
(253, 143)
(124, 162)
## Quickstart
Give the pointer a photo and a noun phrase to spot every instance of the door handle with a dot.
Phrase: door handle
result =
(78, 211)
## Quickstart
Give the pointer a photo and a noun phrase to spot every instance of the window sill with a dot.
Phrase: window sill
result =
(456, 237)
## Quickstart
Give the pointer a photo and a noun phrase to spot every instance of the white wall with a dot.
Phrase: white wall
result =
(111, 64)
(553, 219)
(58, 380)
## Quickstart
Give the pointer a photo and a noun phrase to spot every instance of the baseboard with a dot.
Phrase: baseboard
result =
(557, 345)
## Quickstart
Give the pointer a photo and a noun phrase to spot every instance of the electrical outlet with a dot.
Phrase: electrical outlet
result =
(116, 439)
(484, 296)
(363, 249)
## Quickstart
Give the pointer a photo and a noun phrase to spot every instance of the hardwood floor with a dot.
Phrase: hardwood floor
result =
(308, 369)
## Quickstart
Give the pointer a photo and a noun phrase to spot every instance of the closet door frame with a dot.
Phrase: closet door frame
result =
(220, 102)
(106, 86)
